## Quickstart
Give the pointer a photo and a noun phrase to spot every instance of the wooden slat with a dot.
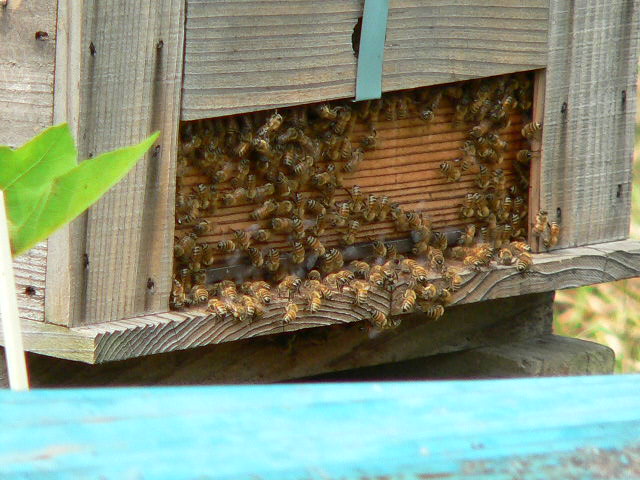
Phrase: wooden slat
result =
(26, 102)
(589, 118)
(493, 429)
(313, 351)
(26, 68)
(245, 56)
(30, 273)
(446, 41)
(119, 258)
(179, 330)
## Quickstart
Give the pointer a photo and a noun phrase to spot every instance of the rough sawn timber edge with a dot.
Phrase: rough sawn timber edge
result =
(170, 331)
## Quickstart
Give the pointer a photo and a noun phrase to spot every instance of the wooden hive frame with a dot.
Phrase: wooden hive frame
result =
(99, 289)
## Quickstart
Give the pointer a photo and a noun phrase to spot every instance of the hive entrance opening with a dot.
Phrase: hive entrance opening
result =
(359, 209)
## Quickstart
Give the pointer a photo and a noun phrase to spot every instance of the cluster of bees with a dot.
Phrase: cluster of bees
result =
(291, 164)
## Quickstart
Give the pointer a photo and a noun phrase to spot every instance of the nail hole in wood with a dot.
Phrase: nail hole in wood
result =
(355, 37)
(563, 109)
(619, 191)
(160, 44)
(624, 97)
(151, 285)
(30, 290)
(92, 49)
(42, 36)
(85, 260)
(559, 214)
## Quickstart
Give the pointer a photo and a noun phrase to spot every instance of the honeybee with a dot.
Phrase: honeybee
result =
(315, 207)
(297, 252)
(272, 125)
(360, 269)
(184, 246)
(408, 301)
(379, 249)
(349, 238)
(224, 173)
(384, 207)
(289, 285)
(532, 131)
(314, 244)
(217, 307)
(369, 142)
(542, 222)
(226, 246)
(314, 300)
(524, 156)
(331, 261)
(554, 235)
(361, 289)
(228, 289)
(426, 292)
(466, 238)
(178, 295)
(356, 157)
(436, 258)
(314, 275)
(328, 113)
(379, 319)
(505, 256)
(235, 197)
(434, 311)
(524, 262)
(199, 294)
(282, 225)
(453, 279)
(265, 210)
(290, 312)
(272, 260)
(261, 235)
(255, 255)
(343, 278)
(264, 191)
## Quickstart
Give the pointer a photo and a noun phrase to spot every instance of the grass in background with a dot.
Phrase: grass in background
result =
(608, 313)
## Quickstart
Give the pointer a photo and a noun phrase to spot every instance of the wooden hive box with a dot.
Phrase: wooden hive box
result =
(100, 289)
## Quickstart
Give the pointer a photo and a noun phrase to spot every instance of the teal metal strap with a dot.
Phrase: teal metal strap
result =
(371, 52)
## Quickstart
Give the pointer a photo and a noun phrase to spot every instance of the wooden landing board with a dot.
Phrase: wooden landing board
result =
(491, 429)
(180, 330)
(241, 56)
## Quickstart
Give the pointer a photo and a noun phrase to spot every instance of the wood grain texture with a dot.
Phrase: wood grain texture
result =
(242, 56)
(443, 41)
(589, 118)
(30, 272)
(26, 68)
(493, 429)
(129, 86)
(179, 330)
(313, 351)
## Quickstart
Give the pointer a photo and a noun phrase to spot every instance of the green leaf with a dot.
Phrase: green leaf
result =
(45, 189)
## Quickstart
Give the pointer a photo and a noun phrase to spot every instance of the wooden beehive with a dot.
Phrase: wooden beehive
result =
(99, 290)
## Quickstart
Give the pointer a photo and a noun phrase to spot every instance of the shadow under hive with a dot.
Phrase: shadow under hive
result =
(444, 157)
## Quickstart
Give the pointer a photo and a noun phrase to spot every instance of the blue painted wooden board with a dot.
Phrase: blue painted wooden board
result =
(501, 429)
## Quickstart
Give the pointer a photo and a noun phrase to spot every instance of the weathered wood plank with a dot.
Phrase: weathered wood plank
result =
(30, 272)
(240, 57)
(458, 430)
(26, 68)
(119, 258)
(589, 118)
(164, 332)
(312, 351)
(429, 43)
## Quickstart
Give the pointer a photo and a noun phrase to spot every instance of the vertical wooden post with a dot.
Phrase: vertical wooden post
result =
(123, 83)
(537, 157)
(14, 351)
(588, 131)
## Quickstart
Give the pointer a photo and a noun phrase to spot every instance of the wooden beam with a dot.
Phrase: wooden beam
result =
(313, 351)
(27, 59)
(119, 254)
(163, 332)
(239, 59)
(412, 430)
(589, 119)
